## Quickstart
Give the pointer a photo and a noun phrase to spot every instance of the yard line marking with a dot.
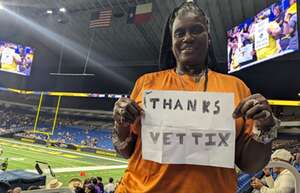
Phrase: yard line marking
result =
(65, 151)
(86, 168)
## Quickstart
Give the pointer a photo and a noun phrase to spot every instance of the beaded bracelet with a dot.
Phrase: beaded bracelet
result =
(120, 145)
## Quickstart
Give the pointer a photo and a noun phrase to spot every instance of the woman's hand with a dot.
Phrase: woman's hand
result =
(256, 107)
(126, 112)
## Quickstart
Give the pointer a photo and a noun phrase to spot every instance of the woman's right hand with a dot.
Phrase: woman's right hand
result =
(126, 112)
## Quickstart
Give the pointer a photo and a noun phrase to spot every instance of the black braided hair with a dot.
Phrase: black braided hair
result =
(167, 59)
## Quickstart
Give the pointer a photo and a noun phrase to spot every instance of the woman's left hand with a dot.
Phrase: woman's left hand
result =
(256, 107)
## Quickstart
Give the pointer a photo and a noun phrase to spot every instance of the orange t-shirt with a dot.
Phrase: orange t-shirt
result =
(147, 176)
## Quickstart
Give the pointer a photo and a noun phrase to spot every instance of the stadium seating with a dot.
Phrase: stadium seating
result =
(14, 120)
(78, 135)
(244, 181)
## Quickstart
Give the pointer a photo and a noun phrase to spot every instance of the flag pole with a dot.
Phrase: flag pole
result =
(89, 51)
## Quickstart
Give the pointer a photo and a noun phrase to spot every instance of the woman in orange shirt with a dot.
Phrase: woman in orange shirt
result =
(184, 56)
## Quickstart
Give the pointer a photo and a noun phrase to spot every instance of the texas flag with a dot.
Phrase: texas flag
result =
(140, 14)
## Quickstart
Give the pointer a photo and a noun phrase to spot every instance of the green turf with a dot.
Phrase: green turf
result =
(23, 156)
(105, 174)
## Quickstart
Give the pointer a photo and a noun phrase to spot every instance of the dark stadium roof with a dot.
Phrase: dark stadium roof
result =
(128, 49)
(131, 44)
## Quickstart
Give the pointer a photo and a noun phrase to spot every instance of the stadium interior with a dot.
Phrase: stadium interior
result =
(60, 115)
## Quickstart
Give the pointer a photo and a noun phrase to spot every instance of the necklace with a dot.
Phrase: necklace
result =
(197, 79)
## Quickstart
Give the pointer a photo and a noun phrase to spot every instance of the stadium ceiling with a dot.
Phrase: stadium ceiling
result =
(130, 44)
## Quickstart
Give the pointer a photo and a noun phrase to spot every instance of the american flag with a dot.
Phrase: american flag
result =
(101, 19)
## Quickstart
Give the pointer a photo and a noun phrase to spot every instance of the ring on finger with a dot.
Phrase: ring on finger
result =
(267, 113)
(255, 102)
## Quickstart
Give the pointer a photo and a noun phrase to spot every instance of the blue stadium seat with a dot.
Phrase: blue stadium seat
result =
(103, 137)
(244, 180)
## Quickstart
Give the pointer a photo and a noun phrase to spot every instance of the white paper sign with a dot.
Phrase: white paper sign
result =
(7, 56)
(261, 34)
(245, 53)
(182, 127)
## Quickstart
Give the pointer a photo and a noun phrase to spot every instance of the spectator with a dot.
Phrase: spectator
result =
(185, 50)
(110, 187)
(292, 32)
(285, 181)
(95, 183)
(90, 188)
(74, 183)
(86, 182)
(53, 184)
(17, 190)
(100, 184)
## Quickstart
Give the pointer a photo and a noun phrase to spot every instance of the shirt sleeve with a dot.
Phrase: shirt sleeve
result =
(136, 95)
(137, 89)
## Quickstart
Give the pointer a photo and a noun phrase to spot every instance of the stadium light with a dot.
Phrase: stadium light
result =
(63, 10)
(49, 11)
(1, 6)
(73, 47)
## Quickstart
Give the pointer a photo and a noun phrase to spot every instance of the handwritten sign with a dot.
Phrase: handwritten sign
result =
(181, 127)
(245, 53)
(261, 34)
(7, 56)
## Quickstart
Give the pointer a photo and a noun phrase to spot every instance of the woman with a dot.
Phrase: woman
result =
(184, 53)
(90, 188)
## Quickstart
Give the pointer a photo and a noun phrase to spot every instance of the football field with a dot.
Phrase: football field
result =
(66, 164)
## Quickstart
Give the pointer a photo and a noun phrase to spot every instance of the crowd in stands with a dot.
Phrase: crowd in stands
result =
(287, 113)
(86, 137)
(93, 138)
(285, 143)
(14, 119)
(70, 130)
(10, 120)
(31, 135)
